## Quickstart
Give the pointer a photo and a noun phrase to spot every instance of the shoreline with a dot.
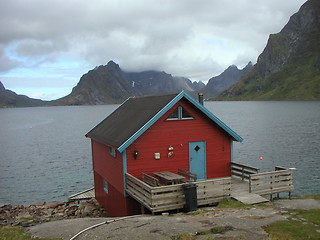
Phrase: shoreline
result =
(39, 212)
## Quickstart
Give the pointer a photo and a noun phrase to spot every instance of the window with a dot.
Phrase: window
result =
(174, 115)
(179, 114)
(112, 152)
(105, 186)
(185, 114)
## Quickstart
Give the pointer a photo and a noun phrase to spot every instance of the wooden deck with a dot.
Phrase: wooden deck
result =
(171, 197)
(240, 192)
(246, 185)
(84, 195)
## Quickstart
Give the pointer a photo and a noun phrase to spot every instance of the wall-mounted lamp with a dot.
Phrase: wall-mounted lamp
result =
(170, 153)
(135, 154)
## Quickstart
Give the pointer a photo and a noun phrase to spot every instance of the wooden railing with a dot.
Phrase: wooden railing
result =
(242, 171)
(273, 182)
(170, 197)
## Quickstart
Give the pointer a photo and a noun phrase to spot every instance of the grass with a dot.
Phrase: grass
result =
(231, 203)
(183, 236)
(302, 224)
(17, 233)
(315, 196)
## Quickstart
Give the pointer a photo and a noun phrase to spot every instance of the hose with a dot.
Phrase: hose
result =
(99, 224)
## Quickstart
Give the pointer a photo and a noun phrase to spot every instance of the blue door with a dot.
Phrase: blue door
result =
(197, 158)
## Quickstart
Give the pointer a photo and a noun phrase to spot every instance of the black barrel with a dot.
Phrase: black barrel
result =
(190, 192)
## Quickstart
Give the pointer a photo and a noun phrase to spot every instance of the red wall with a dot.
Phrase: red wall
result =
(157, 139)
(111, 169)
(178, 133)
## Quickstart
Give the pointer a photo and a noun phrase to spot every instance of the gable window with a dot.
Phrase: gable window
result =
(179, 114)
(112, 152)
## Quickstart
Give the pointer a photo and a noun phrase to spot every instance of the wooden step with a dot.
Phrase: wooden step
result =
(248, 198)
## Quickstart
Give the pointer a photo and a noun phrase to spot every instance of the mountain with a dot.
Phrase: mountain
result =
(109, 84)
(102, 85)
(289, 66)
(229, 77)
(11, 99)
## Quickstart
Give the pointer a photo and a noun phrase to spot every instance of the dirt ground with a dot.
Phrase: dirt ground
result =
(244, 223)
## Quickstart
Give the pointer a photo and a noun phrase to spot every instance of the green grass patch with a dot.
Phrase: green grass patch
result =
(200, 211)
(302, 224)
(315, 196)
(17, 233)
(183, 236)
(231, 203)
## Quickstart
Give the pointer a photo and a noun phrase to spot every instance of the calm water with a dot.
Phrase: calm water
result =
(45, 156)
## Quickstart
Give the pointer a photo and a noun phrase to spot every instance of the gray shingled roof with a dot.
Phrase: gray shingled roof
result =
(137, 114)
(126, 120)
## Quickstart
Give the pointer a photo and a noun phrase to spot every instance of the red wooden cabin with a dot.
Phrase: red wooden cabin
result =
(152, 134)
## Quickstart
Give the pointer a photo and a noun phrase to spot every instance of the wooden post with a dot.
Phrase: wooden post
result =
(290, 195)
(142, 209)
(242, 177)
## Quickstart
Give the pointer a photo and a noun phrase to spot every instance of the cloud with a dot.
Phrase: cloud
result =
(195, 39)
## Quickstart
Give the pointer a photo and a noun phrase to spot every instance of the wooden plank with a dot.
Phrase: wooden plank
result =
(274, 190)
(233, 164)
(271, 185)
(202, 202)
(271, 180)
(86, 194)
(242, 171)
(188, 174)
(141, 197)
(273, 173)
(277, 168)
(138, 182)
(249, 198)
(167, 208)
(152, 181)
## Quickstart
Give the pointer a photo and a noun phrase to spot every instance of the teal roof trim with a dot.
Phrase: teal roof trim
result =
(166, 108)
(214, 118)
(150, 123)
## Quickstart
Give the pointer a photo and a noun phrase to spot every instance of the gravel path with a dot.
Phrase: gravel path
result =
(244, 223)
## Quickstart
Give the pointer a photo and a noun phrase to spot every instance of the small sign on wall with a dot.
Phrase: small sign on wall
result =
(157, 156)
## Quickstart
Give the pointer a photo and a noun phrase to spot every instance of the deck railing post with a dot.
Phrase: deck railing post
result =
(242, 177)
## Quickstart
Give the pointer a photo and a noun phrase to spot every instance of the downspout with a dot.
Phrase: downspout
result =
(124, 167)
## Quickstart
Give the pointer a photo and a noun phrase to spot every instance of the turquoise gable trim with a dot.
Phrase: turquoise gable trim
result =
(167, 107)
(214, 118)
(150, 122)
(124, 167)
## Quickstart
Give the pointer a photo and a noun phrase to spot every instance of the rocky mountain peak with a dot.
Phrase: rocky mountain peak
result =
(289, 66)
(230, 76)
(281, 47)
(2, 87)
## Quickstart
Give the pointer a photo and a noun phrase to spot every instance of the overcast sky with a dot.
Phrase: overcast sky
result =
(46, 46)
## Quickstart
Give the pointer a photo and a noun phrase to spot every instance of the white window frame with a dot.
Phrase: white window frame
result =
(179, 117)
(105, 186)
(112, 152)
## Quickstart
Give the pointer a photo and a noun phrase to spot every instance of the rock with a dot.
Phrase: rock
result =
(87, 211)
(38, 203)
(24, 215)
(39, 212)
(54, 204)
(78, 213)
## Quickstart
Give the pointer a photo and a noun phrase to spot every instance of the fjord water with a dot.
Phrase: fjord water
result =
(44, 155)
